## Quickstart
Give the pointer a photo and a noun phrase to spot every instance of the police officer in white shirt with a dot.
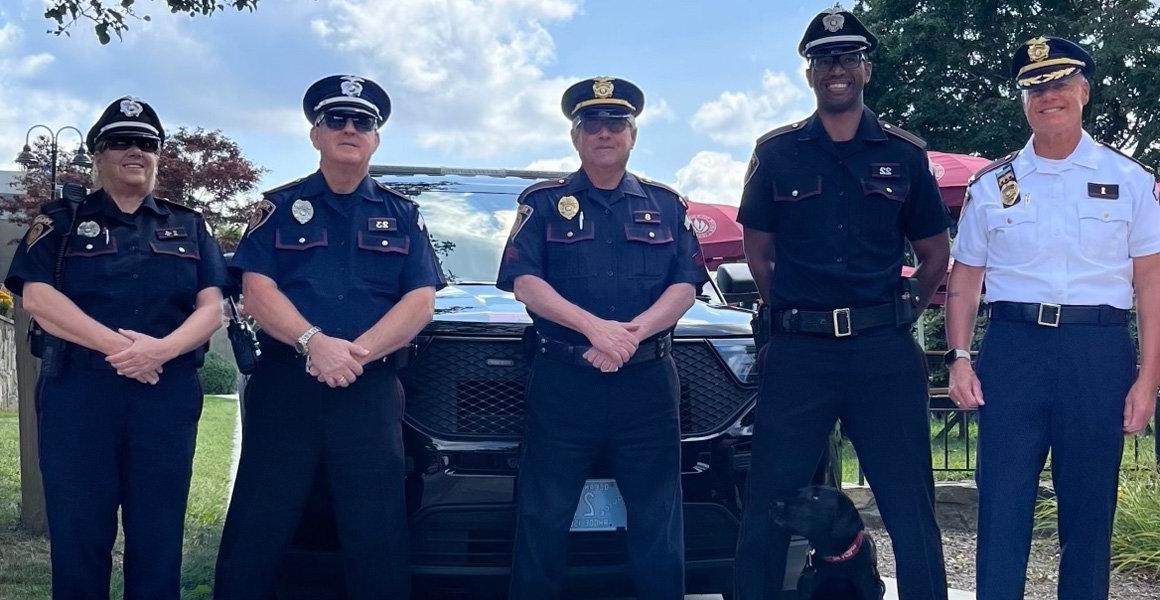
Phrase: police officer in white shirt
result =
(1063, 231)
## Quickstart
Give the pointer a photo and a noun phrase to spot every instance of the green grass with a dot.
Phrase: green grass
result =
(24, 566)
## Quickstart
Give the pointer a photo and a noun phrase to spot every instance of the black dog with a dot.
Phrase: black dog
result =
(844, 563)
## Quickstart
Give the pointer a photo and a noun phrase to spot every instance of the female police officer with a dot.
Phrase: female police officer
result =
(136, 296)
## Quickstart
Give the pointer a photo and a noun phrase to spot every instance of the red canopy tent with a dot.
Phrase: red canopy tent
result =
(717, 230)
(952, 172)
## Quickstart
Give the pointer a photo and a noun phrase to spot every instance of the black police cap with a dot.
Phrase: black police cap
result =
(602, 96)
(836, 31)
(346, 93)
(1045, 59)
(126, 117)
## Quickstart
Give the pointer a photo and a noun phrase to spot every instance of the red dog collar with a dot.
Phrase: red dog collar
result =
(850, 552)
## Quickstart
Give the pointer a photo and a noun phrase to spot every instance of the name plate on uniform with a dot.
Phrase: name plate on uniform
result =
(600, 508)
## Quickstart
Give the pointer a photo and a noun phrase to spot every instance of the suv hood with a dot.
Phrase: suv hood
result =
(484, 309)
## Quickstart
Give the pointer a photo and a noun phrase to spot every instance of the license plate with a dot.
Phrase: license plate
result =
(600, 508)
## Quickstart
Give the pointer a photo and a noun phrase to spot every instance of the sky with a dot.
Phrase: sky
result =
(473, 83)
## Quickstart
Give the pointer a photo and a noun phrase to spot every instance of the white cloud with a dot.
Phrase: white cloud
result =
(739, 118)
(657, 110)
(471, 71)
(713, 177)
(565, 163)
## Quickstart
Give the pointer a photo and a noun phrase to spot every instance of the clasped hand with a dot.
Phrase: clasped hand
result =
(334, 361)
(141, 358)
(613, 344)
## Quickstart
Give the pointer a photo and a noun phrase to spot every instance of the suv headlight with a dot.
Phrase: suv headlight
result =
(740, 355)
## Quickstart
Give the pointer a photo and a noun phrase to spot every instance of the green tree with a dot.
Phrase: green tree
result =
(109, 16)
(942, 69)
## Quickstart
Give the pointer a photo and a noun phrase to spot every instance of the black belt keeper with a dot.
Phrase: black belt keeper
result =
(1054, 315)
(650, 349)
(841, 322)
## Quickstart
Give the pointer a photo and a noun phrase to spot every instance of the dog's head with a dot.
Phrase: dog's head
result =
(823, 515)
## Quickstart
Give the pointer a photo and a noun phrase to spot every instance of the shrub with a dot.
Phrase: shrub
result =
(218, 375)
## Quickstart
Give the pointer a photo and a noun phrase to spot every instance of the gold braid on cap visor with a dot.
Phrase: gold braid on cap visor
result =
(1046, 77)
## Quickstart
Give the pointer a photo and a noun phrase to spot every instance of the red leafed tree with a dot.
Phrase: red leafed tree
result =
(33, 184)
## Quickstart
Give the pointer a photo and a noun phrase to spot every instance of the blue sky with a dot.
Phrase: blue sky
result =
(474, 83)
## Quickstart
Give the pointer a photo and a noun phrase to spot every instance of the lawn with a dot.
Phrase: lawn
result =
(24, 572)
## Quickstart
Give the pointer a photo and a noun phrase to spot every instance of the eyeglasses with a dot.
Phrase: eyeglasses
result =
(338, 121)
(848, 61)
(594, 125)
(1053, 86)
(123, 144)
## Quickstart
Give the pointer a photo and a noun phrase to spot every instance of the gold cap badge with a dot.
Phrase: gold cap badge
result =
(1037, 49)
(568, 206)
(602, 87)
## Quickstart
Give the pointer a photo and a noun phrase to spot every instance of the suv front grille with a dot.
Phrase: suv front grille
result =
(475, 388)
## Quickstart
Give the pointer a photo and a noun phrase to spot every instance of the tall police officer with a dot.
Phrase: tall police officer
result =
(606, 264)
(339, 272)
(140, 293)
(831, 201)
(1062, 230)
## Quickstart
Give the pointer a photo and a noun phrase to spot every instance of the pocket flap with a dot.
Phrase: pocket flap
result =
(1008, 217)
(648, 234)
(379, 241)
(179, 248)
(569, 233)
(885, 188)
(794, 190)
(92, 246)
(301, 239)
(1105, 211)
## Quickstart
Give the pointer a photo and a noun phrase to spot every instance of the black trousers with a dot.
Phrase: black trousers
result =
(292, 424)
(1061, 389)
(876, 385)
(577, 415)
(109, 442)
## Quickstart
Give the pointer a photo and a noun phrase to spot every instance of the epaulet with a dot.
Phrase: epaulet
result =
(394, 192)
(659, 185)
(543, 185)
(991, 167)
(899, 132)
(1150, 170)
(177, 205)
(784, 129)
(284, 186)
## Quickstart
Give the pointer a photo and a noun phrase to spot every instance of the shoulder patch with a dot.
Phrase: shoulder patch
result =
(284, 186)
(991, 167)
(784, 129)
(543, 185)
(899, 132)
(523, 213)
(41, 226)
(392, 191)
(259, 215)
(1150, 170)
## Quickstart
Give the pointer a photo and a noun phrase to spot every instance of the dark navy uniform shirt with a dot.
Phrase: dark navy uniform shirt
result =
(614, 257)
(139, 271)
(350, 262)
(841, 212)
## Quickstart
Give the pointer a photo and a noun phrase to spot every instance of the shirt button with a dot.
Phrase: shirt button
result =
(181, 249)
(794, 193)
(839, 259)
(569, 234)
(840, 226)
(611, 308)
(340, 296)
(889, 191)
(301, 240)
(386, 243)
(1008, 221)
(135, 276)
(652, 234)
(609, 242)
(610, 273)
(88, 246)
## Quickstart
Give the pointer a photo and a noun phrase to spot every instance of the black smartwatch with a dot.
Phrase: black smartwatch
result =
(954, 354)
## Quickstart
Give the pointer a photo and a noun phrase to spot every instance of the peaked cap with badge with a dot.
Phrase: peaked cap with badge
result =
(126, 117)
(836, 31)
(602, 97)
(1045, 59)
(349, 94)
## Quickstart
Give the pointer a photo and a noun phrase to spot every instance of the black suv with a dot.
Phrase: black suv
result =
(464, 418)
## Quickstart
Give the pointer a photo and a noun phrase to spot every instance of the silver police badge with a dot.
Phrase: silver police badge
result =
(131, 107)
(89, 229)
(302, 210)
(833, 23)
(351, 85)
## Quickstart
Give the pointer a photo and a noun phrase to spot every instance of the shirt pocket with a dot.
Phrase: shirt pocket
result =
(650, 250)
(1012, 235)
(571, 250)
(176, 261)
(798, 204)
(92, 263)
(878, 212)
(381, 258)
(1104, 228)
(300, 255)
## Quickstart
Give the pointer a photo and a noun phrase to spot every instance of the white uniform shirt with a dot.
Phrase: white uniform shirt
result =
(1067, 241)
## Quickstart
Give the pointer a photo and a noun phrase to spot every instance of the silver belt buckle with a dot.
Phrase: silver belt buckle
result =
(842, 325)
(1049, 315)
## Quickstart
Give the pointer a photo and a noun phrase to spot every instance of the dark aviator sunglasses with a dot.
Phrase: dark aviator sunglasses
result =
(123, 144)
(337, 122)
(594, 125)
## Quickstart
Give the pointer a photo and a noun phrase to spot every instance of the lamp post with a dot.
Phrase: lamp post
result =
(32, 514)
(28, 160)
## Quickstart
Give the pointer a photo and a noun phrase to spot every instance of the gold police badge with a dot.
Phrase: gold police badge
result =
(1010, 193)
(1037, 49)
(602, 88)
(568, 206)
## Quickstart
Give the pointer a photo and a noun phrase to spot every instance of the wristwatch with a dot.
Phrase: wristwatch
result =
(300, 345)
(954, 354)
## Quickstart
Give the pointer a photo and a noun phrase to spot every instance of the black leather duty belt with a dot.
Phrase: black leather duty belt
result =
(651, 349)
(838, 323)
(281, 353)
(1054, 315)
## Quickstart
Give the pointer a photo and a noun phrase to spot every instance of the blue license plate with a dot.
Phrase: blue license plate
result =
(600, 508)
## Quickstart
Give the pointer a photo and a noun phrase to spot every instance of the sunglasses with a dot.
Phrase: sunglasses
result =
(123, 144)
(594, 125)
(849, 61)
(338, 121)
